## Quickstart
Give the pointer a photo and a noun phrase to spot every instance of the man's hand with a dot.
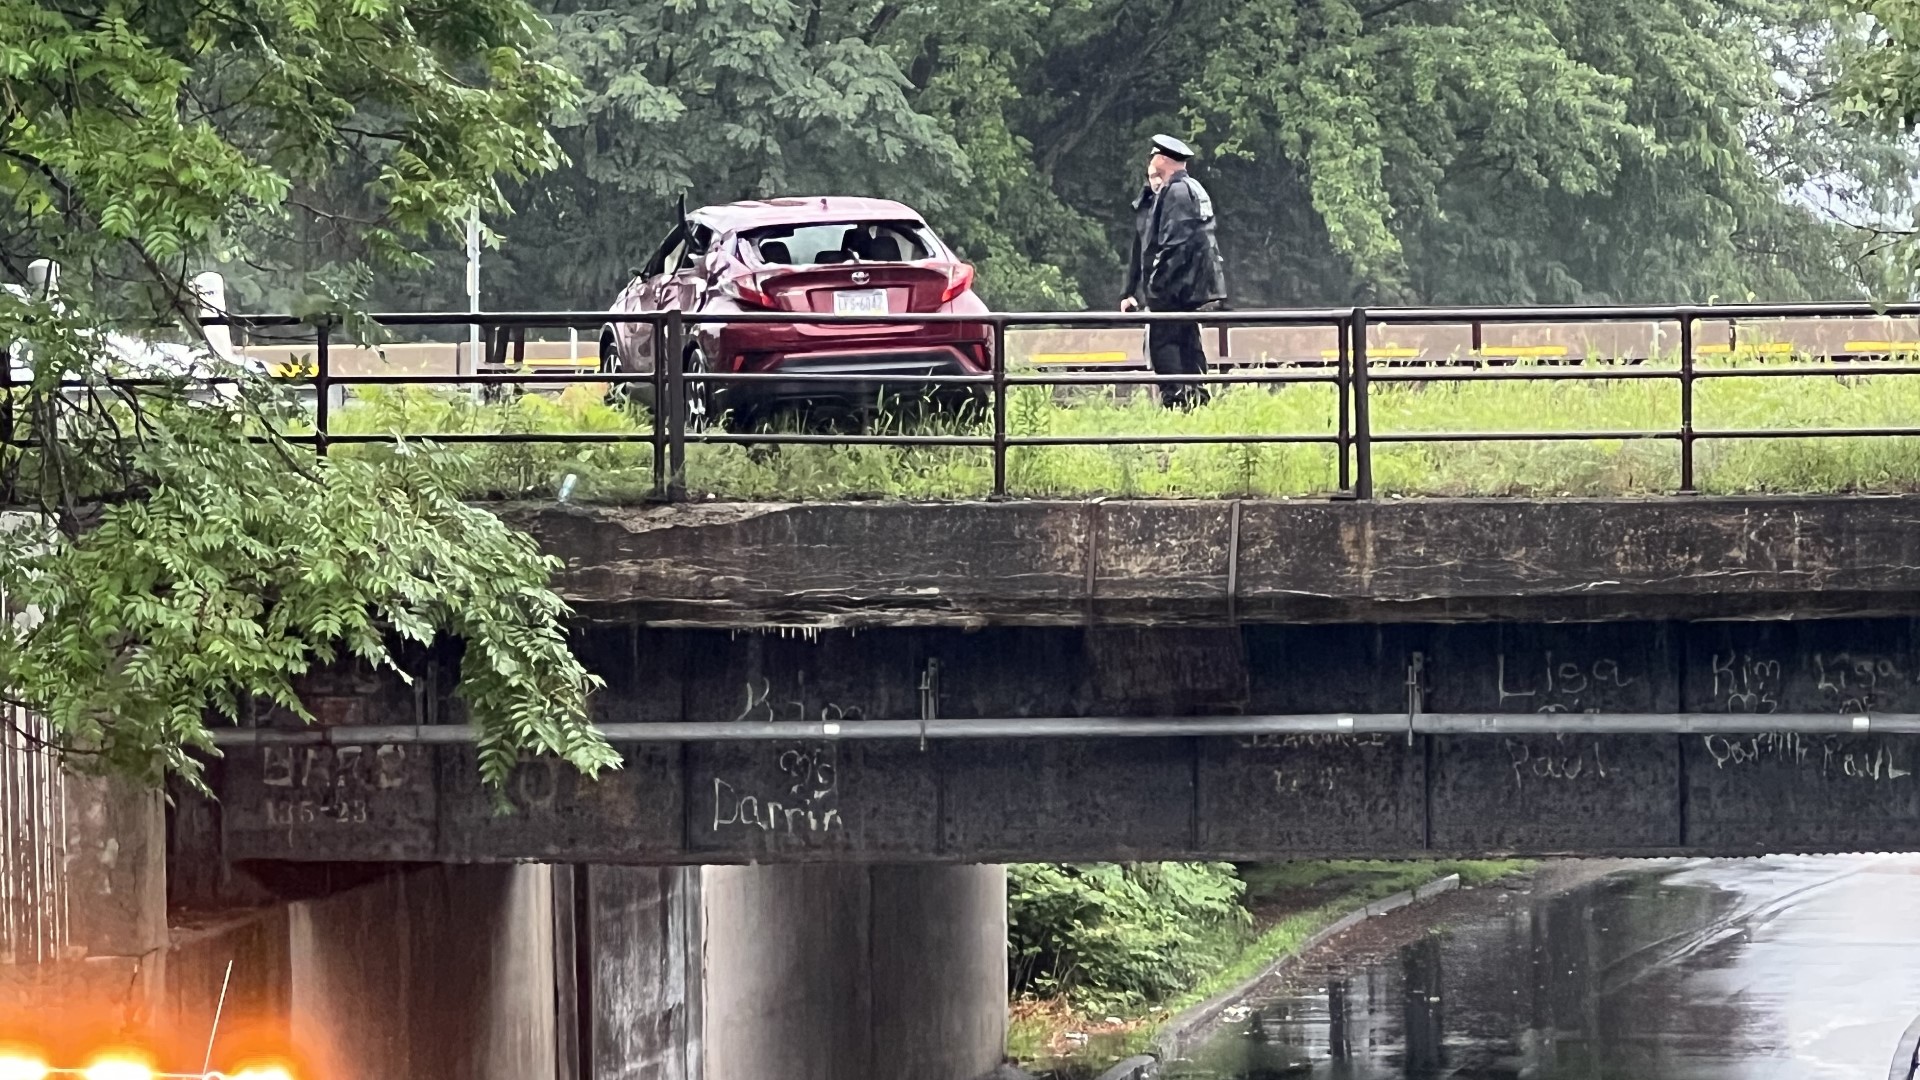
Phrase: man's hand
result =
(1128, 304)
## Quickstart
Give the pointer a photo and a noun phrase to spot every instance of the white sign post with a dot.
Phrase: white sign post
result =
(473, 288)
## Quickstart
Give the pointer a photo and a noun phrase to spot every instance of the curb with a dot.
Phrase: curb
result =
(1168, 1044)
(1142, 1067)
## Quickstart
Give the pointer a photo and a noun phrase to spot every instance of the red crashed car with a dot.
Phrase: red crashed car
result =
(847, 256)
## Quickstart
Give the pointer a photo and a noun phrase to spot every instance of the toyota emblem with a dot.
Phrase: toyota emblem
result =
(861, 277)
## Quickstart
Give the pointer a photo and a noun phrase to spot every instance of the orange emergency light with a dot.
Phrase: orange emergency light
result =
(14, 1066)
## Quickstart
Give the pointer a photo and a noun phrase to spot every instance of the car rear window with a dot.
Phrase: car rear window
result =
(838, 242)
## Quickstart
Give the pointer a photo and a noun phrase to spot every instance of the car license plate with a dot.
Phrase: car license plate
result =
(860, 302)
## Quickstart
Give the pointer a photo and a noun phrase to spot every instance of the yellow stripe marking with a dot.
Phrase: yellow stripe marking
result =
(1765, 347)
(1080, 358)
(1881, 346)
(1524, 350)
(1375, 354)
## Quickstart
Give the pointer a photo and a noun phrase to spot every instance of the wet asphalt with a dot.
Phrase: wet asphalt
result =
(1783, 968)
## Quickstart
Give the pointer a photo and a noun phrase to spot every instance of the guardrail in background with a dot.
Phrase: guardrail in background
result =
(1352, 370)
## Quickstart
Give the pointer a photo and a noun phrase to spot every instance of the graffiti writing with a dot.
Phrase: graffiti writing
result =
(1558, 686)
(805, 799)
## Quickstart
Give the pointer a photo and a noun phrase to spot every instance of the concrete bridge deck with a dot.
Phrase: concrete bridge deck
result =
(1598, 660)
(1217, 562)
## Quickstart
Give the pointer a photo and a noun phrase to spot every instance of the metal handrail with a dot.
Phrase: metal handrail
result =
(1251, 317)
(1465, 725)
(1351, 372)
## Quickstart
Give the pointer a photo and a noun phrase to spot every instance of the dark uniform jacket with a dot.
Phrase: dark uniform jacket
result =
(1142, 231)
(1183, 269)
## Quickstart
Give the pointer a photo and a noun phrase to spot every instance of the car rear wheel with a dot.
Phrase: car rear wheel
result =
(698, 393)
(617, 393)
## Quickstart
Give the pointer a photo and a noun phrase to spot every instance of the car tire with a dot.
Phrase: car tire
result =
(699, 394)
(618, 394)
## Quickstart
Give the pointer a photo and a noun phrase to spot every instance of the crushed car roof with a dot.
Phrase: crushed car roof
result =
(736, 217)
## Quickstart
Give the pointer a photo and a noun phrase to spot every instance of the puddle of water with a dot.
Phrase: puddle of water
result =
(1768, 969)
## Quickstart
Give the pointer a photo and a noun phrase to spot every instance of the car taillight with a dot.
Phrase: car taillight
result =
(747, 289)
(959, 280)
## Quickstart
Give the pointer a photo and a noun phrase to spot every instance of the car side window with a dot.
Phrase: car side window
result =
(670, 252)
(697, 247)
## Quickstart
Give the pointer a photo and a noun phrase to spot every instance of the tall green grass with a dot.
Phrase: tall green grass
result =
(1366, 880)
(619, 473)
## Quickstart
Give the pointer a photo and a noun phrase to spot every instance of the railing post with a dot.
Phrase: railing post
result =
(656, 338)
(1686, 401)
(999, 407)
(322, 385)
(6, 402)
(677, 401)
(1362, 424)
(1343, 376)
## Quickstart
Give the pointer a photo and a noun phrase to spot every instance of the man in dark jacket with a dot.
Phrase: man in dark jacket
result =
(1176, 264)
(1130, 296)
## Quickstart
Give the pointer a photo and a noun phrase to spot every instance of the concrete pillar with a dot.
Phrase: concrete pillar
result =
(438, 974)
(243, 956)
(820, 972)
(638, 930)
(445, 973)
(83, 917)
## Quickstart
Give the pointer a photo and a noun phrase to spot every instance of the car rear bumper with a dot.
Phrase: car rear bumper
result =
(863, 378)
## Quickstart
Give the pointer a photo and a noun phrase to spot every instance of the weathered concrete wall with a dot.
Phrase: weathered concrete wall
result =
(258, 1010)
(643, 999)
(1736, 791)
(450, 974)
(788, 992)
(864, 973)
(442, 974)
(1167, 562)
(116, 868)
(438, 974)
(84, 887)
(939, 970)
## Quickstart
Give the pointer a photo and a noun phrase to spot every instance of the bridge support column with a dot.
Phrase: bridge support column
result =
(635, 936)
(83, 944)
(443, 973)
(855, 972)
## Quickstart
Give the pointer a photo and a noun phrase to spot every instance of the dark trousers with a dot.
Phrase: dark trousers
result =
(1174, 349)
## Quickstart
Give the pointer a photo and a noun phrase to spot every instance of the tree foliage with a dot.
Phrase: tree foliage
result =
(171, 554)
(1443, 151)
(1113, 936)
(1880, 89)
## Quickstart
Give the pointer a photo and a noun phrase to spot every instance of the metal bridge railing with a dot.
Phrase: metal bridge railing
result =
(1350, 431)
